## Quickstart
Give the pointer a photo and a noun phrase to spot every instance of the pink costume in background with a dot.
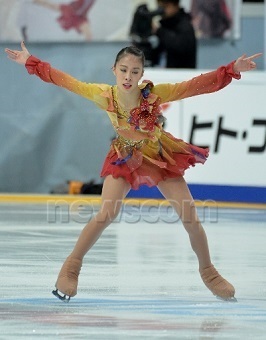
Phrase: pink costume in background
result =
(74, 14)
(143, 153)
(211, 18)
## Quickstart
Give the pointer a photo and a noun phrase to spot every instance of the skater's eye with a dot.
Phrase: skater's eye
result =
(124, 70)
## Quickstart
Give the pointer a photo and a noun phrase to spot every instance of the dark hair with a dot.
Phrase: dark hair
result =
(130, 50)
(174, 2)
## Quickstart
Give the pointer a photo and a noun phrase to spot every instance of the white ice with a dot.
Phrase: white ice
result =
(139, 281)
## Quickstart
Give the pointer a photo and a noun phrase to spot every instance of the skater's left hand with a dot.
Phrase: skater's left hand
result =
(245, 63)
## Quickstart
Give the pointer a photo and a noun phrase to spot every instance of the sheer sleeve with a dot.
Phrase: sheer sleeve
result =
(205, 83)
(48, 74)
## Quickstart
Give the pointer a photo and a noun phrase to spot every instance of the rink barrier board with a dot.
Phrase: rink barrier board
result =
(7, 198)
(218, 193)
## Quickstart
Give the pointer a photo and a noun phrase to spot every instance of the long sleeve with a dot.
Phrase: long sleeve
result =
(48, 74)
(205, 83)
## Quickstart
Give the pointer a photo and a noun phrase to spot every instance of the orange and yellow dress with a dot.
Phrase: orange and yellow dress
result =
(143, 152)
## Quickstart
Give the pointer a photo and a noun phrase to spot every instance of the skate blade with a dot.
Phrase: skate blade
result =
(65, 298)
(231, 299)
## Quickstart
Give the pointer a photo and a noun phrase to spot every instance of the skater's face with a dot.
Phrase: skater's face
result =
(128, 71)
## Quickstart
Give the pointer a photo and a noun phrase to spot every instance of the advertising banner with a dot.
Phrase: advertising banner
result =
(104, 20)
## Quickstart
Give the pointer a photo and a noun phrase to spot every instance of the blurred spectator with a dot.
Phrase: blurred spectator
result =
(177, 40)
(141, 31)
(169, 42)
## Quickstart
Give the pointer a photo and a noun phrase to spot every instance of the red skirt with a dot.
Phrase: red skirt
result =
(154, 162)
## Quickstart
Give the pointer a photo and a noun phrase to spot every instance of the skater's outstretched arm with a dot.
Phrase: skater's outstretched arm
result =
(49, 74)
(207, 82)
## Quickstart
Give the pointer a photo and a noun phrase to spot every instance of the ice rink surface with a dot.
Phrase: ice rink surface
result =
(139, 281)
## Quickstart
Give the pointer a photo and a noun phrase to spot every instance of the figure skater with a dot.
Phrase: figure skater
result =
(142, 153)
(72, 15)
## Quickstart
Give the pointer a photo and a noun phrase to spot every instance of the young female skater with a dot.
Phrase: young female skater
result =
(72, 15)
(142, 153)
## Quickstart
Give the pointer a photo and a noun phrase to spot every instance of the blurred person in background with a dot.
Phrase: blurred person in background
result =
(175, 45)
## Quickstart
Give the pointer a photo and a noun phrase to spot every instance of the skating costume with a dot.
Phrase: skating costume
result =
(142, 153)
(74, 14)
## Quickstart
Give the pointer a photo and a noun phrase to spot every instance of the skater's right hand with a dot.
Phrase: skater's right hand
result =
(19, 57)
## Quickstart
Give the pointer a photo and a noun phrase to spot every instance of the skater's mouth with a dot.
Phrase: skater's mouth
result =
(127, 86)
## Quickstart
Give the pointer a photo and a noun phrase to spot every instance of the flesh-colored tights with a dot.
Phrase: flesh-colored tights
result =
(174, 190)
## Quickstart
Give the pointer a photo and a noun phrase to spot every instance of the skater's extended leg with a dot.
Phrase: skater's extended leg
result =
(113, 193)
(179, 196)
